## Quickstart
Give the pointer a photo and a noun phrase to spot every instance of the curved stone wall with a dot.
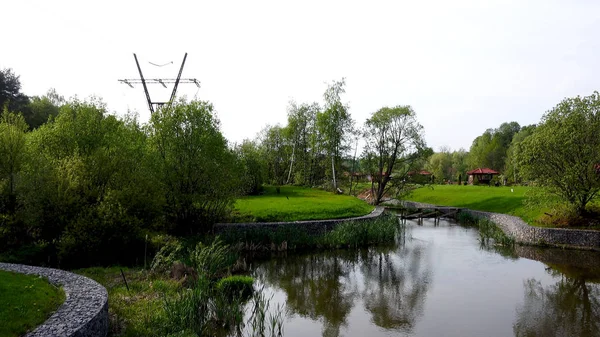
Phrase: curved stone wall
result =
(85, 311)
(311, 226)
(525, 234)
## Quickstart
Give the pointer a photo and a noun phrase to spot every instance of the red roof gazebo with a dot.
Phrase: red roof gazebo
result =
(481, 175)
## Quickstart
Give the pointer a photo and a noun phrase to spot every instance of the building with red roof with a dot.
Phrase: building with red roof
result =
(481, 175)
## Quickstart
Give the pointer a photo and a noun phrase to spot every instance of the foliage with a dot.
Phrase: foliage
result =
(236, 286)
(512, 171)
(440, 165)
(347, 234)
(139, 310)
(253, 165)
(489, 149)
(196, 168)
(334, 125)
(563, 152)
(394, 144)
(27, 301)
(275, 149)
(489, 233)
(302, 129)
(297, 203)
(355, 234)
(11, 96)
(213, 260)
(169, 254)
(12, 145)
(42, 108)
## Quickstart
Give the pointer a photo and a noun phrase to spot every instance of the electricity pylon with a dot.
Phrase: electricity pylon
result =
(153, 106)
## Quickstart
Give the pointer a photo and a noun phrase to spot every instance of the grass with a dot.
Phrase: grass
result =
(26, 302)
(201, 303)
(507, 200)
(297, 203)
(140, 310)
(351, 234)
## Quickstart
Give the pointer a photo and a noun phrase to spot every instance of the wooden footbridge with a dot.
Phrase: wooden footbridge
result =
(435, 213)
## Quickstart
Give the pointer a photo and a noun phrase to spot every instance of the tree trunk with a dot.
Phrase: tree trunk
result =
(291, 164)
(333, 171)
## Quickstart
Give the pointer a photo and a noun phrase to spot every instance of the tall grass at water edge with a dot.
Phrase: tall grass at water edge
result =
(489, 233)
(350, 234)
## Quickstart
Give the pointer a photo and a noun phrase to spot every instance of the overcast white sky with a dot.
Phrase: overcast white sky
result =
(464, 66)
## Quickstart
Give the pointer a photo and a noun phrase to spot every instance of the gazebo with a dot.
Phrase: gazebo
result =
(481, 175)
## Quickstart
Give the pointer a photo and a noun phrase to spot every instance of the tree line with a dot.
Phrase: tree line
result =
(560, 155)
(87, 187)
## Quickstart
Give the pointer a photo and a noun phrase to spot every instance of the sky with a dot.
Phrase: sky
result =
(464, 66)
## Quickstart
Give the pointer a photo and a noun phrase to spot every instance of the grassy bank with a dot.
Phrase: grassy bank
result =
(191, 288)
(294, 203)
(507, 200)
(26, 301)
(350, 234)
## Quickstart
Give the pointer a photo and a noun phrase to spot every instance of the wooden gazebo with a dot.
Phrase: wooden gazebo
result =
(481, 176)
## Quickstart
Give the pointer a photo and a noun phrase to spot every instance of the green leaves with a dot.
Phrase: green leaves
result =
(395, 144)
(563, 151)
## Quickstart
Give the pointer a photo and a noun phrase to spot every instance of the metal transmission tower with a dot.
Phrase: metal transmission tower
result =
(163, 81)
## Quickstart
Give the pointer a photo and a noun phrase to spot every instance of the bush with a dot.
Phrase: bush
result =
(101, 237)
(236, 286)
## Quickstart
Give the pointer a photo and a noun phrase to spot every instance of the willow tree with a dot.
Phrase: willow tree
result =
(395, 142)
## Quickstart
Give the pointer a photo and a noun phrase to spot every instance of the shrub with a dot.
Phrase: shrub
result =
(236, 286)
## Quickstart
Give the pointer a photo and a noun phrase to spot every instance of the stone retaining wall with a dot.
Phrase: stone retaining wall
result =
(311, 226)
(523, 233)
(85, 310)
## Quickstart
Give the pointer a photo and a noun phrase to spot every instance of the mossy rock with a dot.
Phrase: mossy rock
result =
(237, 286)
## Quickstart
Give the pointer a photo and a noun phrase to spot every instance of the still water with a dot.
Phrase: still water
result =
(436, 281)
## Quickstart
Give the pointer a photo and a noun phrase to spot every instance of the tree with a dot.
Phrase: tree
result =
(440, 164)
(276, 151)
(489, 149)
(395, 142)
(511, 170)
(459, 163)
(12, 150)
(10, 92)
(198, 171)
(563, 152)
(334, 124)
(253, 167)
(41, 108)
(302, 128)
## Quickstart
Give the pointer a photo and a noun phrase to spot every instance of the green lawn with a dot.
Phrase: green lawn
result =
(482, 198)
(26, 301)
(298, 203)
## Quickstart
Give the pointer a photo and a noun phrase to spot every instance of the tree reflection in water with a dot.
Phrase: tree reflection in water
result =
(395, 287)
(325, 286)
(571, 307)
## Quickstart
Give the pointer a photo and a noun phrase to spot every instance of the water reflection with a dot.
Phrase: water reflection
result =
(317, 286)
(395, 287)
(569, 307)
(391, 284)
(440, 281)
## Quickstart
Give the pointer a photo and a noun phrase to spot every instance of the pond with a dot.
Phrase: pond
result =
(438, 280)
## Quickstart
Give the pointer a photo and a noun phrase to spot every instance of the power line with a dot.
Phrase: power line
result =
(162, 81)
